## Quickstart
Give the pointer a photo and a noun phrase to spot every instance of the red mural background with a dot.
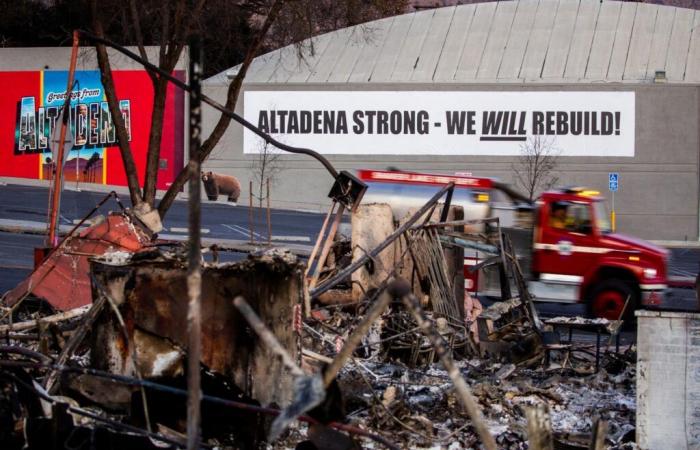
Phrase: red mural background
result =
(132, 85)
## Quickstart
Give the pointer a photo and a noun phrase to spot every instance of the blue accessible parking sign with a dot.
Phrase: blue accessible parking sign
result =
(613, 181)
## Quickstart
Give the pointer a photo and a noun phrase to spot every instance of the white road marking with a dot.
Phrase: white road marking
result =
(292, 238)
(185, 230)
(243, 231)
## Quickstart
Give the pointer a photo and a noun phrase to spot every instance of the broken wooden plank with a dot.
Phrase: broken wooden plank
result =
(60, 317)
(539, 428)
(600, 429)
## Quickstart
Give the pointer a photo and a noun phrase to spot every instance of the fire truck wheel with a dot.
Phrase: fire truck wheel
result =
(608, 300)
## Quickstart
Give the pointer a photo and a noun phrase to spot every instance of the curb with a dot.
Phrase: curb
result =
(124, 192)
(29, 227)
(39, 228)
(677, 244)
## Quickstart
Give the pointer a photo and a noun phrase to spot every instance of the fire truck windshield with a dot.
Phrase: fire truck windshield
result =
(602, 218)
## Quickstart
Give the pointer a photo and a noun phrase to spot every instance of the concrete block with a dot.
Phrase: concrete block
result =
(668, 381)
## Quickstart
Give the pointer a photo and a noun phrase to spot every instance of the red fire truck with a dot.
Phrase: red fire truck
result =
(565, 242)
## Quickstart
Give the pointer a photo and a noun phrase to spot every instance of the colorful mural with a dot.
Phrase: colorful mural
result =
(30, 111)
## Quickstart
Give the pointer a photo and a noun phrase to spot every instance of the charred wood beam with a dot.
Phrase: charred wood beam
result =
(60, 317)
(539, 428)
(600, 429)
(317, 245)
(321, 262)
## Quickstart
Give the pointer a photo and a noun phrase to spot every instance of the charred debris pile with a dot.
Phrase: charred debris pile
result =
(371, 343)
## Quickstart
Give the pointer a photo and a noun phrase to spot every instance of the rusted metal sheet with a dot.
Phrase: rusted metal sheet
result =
(151, 296)
(62, 279)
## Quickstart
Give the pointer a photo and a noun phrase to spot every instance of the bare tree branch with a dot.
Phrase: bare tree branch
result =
(122, 135)
(136, 22)
(224, 121)
(171, 47)
(165, 31)
(267, 165)
(534, 170)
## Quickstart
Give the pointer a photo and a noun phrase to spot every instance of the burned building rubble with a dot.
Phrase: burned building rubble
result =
(372, 343)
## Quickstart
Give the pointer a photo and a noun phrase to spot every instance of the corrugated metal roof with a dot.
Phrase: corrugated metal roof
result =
(553, 41)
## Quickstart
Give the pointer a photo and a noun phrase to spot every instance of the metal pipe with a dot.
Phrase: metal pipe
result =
(269, 218)
(250, 210)
(510, 192)
(58, 178)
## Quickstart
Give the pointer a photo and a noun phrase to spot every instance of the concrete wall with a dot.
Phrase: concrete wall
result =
(668, 380)
(658, 195)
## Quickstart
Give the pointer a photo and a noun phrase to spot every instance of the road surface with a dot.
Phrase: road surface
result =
(225, 221)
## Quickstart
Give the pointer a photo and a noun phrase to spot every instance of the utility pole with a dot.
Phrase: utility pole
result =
(194, 269)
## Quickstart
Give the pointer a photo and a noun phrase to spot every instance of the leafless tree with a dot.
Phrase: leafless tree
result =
(535, 168)
(265, 167)
(169, 23)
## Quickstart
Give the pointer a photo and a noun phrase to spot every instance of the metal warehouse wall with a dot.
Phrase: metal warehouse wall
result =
(658, 194)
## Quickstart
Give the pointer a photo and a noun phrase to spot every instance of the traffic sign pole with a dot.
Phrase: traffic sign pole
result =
(612, 213)
(613, 185)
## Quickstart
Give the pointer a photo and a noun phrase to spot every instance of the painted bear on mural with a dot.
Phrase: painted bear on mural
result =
(216, 184)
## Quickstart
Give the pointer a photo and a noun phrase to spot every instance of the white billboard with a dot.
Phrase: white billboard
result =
(443, 122)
